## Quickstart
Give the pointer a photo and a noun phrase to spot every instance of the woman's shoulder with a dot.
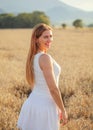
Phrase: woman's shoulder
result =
(45, 56)
(45, 59)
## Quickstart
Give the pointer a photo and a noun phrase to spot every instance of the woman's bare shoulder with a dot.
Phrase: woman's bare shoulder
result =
(45, 60)
(45, 57)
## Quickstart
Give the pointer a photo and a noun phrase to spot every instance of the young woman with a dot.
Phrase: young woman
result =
(40, 111)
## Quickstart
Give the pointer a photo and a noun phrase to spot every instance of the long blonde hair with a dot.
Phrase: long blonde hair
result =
(36, 33)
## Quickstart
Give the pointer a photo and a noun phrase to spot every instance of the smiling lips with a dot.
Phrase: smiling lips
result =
(48, 44)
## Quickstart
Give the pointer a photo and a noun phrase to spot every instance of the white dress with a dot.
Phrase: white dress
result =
(39, 111)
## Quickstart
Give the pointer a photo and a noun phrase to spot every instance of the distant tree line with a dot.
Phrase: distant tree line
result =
(23, 20)
(90, 25)
(29, 20)
(78, 23)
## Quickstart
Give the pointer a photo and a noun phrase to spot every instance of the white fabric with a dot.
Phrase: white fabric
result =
(39, 111)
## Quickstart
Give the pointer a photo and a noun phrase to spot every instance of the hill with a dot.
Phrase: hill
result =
(58, 11)
(1, 11)
(68, 14)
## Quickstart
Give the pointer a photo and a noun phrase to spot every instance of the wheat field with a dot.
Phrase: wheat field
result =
(73, 50)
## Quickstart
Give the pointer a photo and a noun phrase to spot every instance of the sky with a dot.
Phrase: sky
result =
(86, 5)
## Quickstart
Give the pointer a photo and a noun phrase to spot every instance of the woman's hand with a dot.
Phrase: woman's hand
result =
(63, 118)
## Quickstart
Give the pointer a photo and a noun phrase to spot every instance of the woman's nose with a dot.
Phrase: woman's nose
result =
(50, 39)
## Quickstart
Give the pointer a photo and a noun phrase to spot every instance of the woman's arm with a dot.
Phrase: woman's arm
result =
(47, 68)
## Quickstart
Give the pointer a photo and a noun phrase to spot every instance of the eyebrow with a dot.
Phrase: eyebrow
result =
(47, 35)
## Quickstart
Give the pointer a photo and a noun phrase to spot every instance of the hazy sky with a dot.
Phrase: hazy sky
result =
(82, 4)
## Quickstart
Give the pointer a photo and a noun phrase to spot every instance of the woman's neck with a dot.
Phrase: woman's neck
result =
(39, 50)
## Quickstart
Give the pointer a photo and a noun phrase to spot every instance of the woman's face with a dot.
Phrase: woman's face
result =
(45, 40)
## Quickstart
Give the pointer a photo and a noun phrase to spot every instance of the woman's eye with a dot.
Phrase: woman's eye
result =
(45, 36)
(48, 36)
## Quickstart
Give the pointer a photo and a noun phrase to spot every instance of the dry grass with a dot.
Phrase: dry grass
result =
(73, 50)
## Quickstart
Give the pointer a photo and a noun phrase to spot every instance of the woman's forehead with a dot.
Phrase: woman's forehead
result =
(47, 32)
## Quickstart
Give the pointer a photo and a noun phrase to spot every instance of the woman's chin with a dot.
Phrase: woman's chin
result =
(48, 47)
